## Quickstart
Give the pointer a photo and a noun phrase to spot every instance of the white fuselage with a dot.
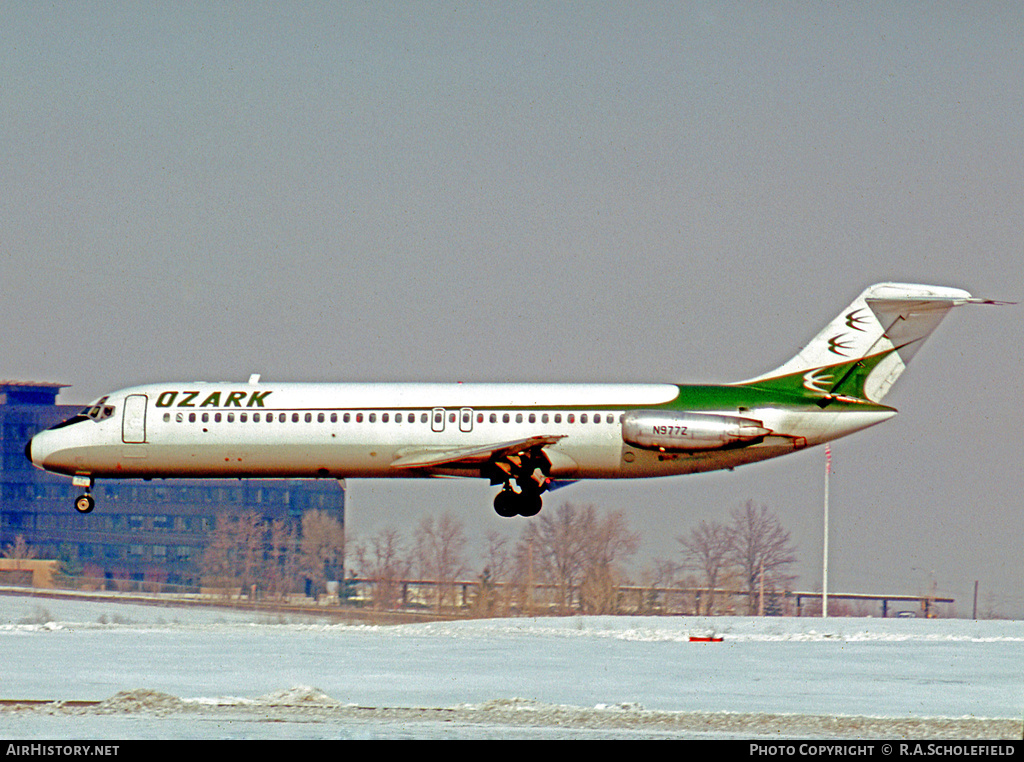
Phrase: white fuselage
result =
(371, 430)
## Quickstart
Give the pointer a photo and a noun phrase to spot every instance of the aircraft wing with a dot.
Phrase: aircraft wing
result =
(475, 456)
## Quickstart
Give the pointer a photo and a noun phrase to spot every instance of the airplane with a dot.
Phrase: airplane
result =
(529, 438)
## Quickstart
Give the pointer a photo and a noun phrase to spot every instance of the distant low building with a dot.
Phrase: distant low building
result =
(145, 531)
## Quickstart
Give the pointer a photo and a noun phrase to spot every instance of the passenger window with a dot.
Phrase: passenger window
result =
(359, 417)
(505, 418)
(571, 418)
(424, 418)
(558, 417)
(167, 417)
(334, 417)
(384, 418)
(583, 418)
(398, 417)
(519, 417)
(544, 418)
(231, 417)
(191, 417)
(346, 418)
(533, 418)
(320, 418)
(243, 417)
(179, 417)
(373, 418)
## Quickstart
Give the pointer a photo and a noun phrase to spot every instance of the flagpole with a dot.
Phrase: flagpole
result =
(824, 563)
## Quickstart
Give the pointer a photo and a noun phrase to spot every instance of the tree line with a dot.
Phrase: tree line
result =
(573, 558)
(275, 558)
(576, 558)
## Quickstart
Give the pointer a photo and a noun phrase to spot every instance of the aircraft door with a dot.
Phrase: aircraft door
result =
(133, 426)
(437, 419)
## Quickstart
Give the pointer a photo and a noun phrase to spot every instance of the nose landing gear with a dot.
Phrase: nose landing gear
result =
(84, 503)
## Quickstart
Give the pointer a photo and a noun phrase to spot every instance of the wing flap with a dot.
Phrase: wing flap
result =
(473, 456)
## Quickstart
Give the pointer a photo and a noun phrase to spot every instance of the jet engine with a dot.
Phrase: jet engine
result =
(684, 431)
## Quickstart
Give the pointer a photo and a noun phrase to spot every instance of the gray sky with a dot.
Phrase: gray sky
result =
(552, 191)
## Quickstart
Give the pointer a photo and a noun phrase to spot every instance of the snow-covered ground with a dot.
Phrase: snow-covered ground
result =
(135, 671)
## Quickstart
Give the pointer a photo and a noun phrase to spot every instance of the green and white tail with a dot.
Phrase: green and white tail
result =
(862, 352)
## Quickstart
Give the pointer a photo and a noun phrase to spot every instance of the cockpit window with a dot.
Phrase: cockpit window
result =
(98, 411)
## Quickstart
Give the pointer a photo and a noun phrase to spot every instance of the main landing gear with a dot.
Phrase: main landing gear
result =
(524, 471)
(524, 480)
(509, 503)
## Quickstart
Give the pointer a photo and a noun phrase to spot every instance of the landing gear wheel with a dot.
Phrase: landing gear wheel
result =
(84, 503)
(530, 504)
(506, 504)
(509, 503)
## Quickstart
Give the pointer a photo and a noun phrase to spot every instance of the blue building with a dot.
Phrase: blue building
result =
(153, 531)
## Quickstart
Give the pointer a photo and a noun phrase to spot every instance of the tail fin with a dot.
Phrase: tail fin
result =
(863, 351)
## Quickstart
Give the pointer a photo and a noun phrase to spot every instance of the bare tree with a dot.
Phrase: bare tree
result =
(19, 549)
(321, 548)
(574, 545)
(498, 558)
(440, 554)
(655, 576)
(282, 568)
(247, 551)
(382, 559)
(236, 552)
(215, 564)
(762, 551)
(709, 549)
(552, 550)
(492, 589)
(222, 563)
(608, 545)
(250, 528)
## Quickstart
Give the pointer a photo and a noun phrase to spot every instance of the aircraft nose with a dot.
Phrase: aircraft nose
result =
(28, 451)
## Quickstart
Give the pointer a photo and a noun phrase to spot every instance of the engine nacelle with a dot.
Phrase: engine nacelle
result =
(683, 431)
